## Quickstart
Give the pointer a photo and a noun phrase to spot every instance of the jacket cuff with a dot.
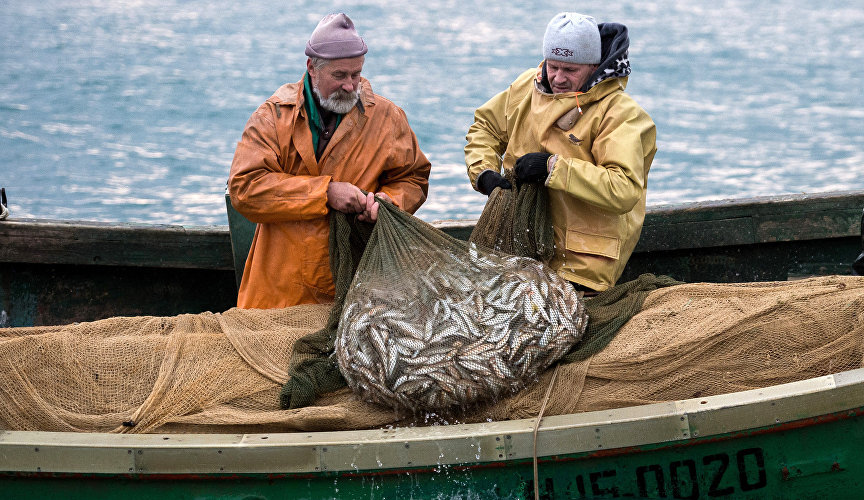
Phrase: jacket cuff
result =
(477, 181)
(550, 166)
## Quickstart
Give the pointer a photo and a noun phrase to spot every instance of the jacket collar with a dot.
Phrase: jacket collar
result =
(595, 93)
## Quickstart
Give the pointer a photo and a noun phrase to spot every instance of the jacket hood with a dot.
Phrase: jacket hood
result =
(614, 60)
(614, 51)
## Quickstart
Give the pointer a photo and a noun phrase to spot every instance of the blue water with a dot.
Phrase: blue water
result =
(130, 111)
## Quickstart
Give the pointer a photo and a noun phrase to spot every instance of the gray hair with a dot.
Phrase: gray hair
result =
(319, 62)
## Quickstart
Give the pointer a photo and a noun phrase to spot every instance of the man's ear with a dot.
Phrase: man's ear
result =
(309, 67)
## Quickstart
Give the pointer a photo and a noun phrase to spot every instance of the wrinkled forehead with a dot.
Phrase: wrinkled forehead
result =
(347, 65)
(552, 63)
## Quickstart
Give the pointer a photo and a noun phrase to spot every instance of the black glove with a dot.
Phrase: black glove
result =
(532, 168)
(489, 180)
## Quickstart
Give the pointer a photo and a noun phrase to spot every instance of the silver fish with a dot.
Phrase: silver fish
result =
(452, 332)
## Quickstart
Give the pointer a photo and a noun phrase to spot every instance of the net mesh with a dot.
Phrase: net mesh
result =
(515, 221)
(223, 372)
(648, 340)
(432, 322)
(313, 370)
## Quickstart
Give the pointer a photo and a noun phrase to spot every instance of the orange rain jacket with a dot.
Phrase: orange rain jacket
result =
(277, 182)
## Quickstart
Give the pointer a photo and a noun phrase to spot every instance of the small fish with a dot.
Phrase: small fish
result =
(456, 332)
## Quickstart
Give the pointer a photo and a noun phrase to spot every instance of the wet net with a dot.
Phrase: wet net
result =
(223, 372)
(516, 222)
(648, 340)
(423, 321)
(431, 322)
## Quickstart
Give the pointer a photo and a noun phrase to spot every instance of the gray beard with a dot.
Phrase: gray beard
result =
(339, 102)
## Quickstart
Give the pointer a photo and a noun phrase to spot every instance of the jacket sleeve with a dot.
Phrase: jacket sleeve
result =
(617, 180)
(487, 138)
(258, 186)
(406, 175)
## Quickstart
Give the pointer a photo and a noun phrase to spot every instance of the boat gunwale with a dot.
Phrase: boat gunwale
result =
(391, 450)
(743, 221)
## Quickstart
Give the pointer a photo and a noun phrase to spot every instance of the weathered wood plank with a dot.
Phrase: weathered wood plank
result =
(752, 221)
(56, 272)
(94, 243)
(693, 225)
(41, 294)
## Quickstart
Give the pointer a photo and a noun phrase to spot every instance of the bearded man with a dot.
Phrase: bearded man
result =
(569, 124)
(313, 146)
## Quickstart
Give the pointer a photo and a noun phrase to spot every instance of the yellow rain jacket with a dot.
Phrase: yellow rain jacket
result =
(277, 182)
(598, 182)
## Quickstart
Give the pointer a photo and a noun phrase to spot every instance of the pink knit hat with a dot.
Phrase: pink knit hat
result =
(335, 38)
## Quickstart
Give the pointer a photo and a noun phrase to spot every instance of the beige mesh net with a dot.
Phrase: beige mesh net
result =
(223, 372)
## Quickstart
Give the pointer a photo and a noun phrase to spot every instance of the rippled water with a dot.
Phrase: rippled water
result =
(130, 111)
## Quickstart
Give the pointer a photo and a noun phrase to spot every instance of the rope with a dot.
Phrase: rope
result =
(537, 426)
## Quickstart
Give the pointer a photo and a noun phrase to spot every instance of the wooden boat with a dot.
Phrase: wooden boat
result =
(798, 440)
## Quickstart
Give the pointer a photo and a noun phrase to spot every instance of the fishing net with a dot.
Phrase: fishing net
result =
(702, 339)
(313, 370)
(143, 373)
(457, 279)
(222, 372)
(515, 221)
(648, 340)
(431, 322)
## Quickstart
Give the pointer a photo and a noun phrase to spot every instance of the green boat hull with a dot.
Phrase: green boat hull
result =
(780, 463)
(798, 440)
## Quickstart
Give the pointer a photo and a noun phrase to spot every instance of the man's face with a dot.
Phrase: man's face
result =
(337, 75)
(567, 77)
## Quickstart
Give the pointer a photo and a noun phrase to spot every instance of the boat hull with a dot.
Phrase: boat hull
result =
(797, 440)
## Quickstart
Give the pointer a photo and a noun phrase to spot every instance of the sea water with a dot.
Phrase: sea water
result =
(130, 110)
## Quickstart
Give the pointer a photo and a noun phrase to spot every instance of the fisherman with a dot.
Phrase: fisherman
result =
(569, 123)
(313, 146)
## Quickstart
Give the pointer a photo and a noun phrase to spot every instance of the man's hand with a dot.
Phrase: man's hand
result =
(345, 197)
(370, 211)
(532, 167)
(489, 180)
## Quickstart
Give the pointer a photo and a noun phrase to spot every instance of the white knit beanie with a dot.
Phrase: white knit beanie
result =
(572, 38)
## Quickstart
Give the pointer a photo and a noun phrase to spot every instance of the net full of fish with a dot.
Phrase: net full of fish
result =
(458, 332)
